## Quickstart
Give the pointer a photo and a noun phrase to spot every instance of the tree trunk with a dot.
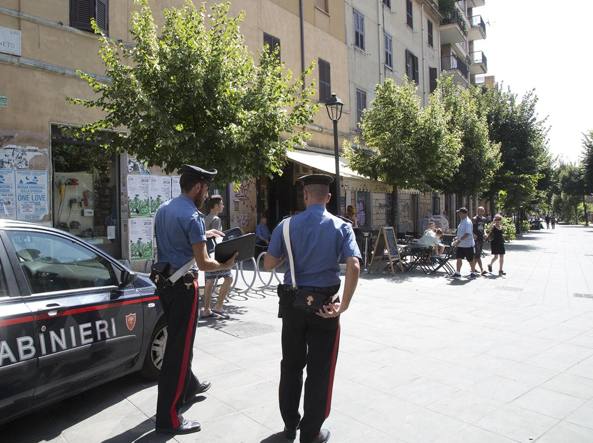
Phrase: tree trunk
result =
(585, 211)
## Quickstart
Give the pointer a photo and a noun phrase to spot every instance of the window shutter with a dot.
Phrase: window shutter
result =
(81, 12)
(102, 14)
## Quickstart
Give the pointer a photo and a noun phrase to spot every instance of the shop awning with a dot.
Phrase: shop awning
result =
(324, 162)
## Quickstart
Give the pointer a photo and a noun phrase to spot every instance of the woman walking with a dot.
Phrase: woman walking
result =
(496, 237)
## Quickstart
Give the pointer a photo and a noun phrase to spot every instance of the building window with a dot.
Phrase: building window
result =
(432, 75)
(325, 85)
(272, 43)
(409, 14)
(358, 29)
(322, 4)
(412, 67)
(82, 11)
(361, 103)
(388, 51)
(430, 35)
(387, 3)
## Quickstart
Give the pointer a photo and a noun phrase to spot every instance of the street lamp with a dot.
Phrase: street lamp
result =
(334, 111)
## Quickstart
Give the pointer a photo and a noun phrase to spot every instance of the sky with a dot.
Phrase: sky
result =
(546, 45)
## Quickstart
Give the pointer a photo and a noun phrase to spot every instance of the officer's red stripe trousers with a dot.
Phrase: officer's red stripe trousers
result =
(185, 359)
(332, 371)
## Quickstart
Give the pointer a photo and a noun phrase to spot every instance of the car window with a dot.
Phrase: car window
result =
(53, 263)
(3, 287)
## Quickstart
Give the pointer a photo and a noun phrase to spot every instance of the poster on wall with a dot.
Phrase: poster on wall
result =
(7, 194)
(141, 245)
(160, 191)
(31, 195)
(175, 190)
(139, 195)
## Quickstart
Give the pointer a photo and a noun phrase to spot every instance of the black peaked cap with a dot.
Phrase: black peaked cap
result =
(316, 179)
(203, 174)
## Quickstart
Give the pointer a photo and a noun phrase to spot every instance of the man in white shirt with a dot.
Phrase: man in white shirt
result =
(465, 243)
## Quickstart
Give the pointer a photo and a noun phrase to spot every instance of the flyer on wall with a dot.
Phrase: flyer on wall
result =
(7, 194)
(141, 230)
(139, 195)
(31, 195)
(160, 191)
(175, 190)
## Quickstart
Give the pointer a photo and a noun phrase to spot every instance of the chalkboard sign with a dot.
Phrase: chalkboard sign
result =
(386, 242)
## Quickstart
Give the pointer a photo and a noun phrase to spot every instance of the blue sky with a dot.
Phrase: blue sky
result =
(546, 45)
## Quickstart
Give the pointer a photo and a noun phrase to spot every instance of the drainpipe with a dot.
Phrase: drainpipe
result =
(424, 100)
(302, 30)
(380, 25)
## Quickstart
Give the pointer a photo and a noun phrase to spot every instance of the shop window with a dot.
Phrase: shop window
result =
(85, 191)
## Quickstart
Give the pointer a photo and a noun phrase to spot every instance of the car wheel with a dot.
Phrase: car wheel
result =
(156, 351)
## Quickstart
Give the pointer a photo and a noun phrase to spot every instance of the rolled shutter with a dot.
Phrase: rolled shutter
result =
(102, 15)
(81, 12)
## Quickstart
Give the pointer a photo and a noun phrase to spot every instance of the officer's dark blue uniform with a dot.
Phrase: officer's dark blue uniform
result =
(179, 225)
(320, 241)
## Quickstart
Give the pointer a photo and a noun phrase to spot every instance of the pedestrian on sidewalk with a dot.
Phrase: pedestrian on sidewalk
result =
(215, 207)
(547, 219)
(479, 223)
(464, 241)
(181, 243)
(496, 237)
(314, 243)
(553, 220)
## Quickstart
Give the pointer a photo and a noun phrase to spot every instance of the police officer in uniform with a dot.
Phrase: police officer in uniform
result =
(181, 238)
(319, 242)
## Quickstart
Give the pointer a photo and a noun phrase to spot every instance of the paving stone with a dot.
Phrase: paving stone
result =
(579, 387)
(567, 432)
(582, 416)
(517, 423)
(552, 404)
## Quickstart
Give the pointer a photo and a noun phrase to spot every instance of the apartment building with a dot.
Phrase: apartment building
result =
(461, 26)
(43, 43)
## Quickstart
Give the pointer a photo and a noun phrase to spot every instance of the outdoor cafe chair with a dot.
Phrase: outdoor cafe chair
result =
(442, 261)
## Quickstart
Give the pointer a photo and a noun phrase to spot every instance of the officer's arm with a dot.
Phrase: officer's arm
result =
(270, 262)
(351, 281)
(205, 263)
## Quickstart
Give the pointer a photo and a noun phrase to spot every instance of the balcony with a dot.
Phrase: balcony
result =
(453, 27)
(479, 63)
(477, 30)
(457, 67)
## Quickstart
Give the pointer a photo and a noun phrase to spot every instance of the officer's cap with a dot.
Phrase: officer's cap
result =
(196, 171)
(316, 179)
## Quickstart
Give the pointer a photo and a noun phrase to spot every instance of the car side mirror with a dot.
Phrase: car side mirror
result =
(126, 279)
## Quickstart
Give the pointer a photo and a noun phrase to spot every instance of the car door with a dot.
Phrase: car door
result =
(88, 329)
(18, 360)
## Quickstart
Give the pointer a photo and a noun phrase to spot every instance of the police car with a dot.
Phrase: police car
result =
(71, 318)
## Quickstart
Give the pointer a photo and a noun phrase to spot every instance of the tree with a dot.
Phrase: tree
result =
(480, 158)
(514, 123)
(191, 92)
(572, 186)
(402, 143)
(588, 161)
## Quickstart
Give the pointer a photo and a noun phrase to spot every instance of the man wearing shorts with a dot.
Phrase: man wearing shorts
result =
(464, 241)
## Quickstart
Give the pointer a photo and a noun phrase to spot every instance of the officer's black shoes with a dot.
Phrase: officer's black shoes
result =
(203, 387)
(186, 427)
(322, 437)
(289, 433)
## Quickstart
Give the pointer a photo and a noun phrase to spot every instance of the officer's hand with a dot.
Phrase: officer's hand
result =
(214, 233)
(230, 262)
(331, 310)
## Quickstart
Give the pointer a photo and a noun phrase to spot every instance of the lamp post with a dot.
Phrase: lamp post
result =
(334, 111)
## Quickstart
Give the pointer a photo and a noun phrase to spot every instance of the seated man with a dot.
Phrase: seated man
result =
(432, 239)
(262, 233)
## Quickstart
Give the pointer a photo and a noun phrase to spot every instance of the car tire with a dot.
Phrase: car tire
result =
(156, 351)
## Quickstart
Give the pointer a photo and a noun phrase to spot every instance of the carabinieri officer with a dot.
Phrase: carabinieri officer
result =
(181, 239)
(319, 242)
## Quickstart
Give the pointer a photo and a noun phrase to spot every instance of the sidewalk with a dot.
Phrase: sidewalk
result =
(422, 359)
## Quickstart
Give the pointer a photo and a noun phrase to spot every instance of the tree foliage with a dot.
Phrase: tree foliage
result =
(587, 160)
(513, 122)
(480, 158)
(191, 92)
(402, 143)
